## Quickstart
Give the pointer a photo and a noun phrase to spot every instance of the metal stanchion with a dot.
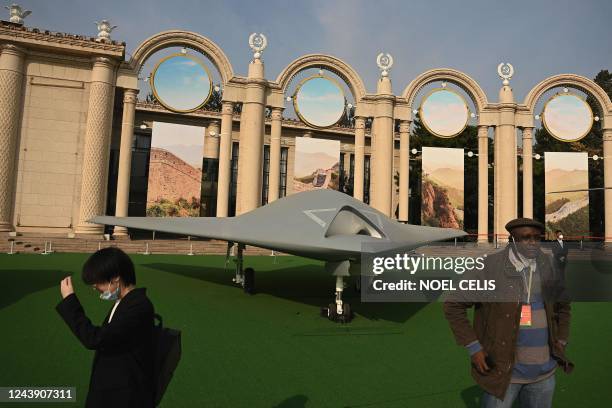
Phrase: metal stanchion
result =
(45, 252)
(99, 245)
(11, 252)
(190, 250)
(146, 252)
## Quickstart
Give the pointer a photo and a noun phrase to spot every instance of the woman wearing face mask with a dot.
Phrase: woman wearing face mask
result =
(122, 371)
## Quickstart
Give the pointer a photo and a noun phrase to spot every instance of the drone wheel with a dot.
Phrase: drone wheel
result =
(348, 314)
(249, 281)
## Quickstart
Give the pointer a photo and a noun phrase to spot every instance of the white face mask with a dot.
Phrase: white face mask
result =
(108, 295)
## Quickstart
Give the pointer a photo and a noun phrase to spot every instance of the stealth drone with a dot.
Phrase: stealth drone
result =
(320, 224)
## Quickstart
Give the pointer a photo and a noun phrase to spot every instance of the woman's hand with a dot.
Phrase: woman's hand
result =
(66, 287)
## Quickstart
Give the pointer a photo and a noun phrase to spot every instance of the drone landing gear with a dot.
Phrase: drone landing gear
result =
(249, 281)
(339, 311)
(246, 277)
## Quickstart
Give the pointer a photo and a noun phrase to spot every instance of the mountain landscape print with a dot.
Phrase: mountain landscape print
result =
(175, 171)
(442, 187)
(316, 164)
(566, 209)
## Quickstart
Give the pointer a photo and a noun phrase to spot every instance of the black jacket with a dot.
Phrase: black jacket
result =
(560, 253)
(122, 371)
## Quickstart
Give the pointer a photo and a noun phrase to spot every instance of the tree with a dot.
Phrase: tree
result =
(215, 101)
(150, 98)
(348, 118)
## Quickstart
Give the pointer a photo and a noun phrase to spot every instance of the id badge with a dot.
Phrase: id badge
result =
(526, 315)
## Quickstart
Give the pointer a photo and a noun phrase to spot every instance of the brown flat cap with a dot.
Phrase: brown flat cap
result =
(524, 222)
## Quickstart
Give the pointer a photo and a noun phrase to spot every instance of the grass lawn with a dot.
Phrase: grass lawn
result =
(272, 349)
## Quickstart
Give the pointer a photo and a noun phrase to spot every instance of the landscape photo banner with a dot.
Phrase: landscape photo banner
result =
(442, 187)
(316, 164)
(175, 170)
(566, 182)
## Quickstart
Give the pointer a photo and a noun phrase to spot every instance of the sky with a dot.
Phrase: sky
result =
(186, 142)
(566, 161)
(443, 157)
(540, 38)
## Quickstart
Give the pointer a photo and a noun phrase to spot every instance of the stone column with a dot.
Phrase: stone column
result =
(125, 158)
(225, 158)
(251, 139)
(97, 146)
(404, 169)
(275, 154)
(483, 183)
(12, 60)
(506, 164)
(211, 143)
(359, 164)
(607, 153)
(382, 156)
(528, 172)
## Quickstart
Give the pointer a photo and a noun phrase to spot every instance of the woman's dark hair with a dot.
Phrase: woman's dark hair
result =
(106, 264)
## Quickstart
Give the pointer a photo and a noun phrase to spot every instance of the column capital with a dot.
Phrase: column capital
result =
(360, 122)
(277, 113)
(214, 123)
(404, 126)
(129, 95)
(10, 48)
(483, 131)
(103, 62)
(227, 107)
(527, 133)
(607, 135)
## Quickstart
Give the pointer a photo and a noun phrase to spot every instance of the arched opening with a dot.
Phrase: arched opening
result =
(564, 165)
(443, 175)
(321, 93)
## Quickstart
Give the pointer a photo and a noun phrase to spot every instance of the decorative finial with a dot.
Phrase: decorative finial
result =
(17, 13)
(104, 30)
(257, 42)
(505, 70)
(384, 62)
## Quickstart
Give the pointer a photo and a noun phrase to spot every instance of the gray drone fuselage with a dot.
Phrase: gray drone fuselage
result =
(320, 224)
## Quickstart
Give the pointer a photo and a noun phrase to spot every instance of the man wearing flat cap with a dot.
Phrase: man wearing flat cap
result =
(519, 333)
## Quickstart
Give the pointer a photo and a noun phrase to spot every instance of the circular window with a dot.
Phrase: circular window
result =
(567, 117)
(444, 113)
(319, 101)
(181, 83)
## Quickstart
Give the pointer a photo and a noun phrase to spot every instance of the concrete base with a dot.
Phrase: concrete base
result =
(89, 229)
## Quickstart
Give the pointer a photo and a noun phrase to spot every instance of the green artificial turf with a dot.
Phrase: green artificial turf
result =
(273, 349)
